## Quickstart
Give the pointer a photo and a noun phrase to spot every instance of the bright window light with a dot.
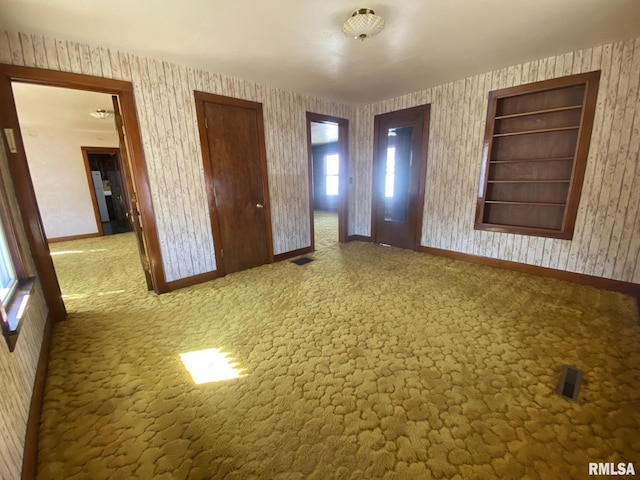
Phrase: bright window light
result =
(390, 172)
(8, 277)
(210, 365)
(332, 168)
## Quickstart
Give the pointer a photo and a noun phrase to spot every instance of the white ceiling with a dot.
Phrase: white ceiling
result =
(42, 106)
(298, 45)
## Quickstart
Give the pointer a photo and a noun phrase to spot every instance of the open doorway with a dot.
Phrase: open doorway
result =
(328, 179)
(81, 191)
(109, 196)
(135, 175)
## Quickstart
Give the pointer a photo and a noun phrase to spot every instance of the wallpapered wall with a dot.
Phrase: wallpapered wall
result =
(607, 234)
(166, 112)
(18, 368)
(606, 241)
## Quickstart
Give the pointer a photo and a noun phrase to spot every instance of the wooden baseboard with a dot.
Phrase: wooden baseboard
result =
(74, 237)
(190, 281)
(358, 238)
(293, 253)
(32, 437)
(590, 280)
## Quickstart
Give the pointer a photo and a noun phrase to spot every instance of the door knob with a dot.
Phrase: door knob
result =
(259, 205)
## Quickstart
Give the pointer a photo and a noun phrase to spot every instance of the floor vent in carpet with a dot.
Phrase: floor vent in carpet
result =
(302, 260)
(570, 381)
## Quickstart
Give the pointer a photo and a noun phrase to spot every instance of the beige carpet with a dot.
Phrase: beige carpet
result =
(370, 362)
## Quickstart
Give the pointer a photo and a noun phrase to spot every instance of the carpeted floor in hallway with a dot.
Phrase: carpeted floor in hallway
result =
(370, 362)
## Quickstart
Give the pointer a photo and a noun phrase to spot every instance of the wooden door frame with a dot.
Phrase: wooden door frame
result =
(426, 109)
(21, 179)
(201, 98)
(343, 177)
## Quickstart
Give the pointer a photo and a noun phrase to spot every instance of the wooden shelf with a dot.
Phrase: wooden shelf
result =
(539, 112)
(528, 181)
(521, 160)
(542, 130)
(535, 204)
(538, 138)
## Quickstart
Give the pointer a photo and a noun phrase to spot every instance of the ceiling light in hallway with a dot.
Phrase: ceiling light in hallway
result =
(101, 114)
(363, 23)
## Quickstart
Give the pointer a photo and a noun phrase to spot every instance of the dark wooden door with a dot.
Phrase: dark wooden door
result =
(399, 176)
(130, 192)
(118, 195)
(237, 182)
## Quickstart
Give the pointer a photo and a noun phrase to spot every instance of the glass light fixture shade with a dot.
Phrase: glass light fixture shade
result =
(363, 23)
(101, 114)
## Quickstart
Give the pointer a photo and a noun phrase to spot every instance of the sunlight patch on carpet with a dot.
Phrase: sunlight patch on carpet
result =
(74, 296)
(210, 365)
(66, 252)
(111, 292)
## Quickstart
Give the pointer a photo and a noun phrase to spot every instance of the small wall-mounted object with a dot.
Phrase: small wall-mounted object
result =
(11, 140)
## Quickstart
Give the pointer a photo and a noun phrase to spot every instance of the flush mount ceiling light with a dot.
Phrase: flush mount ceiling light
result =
(363, 23)
(101, 113)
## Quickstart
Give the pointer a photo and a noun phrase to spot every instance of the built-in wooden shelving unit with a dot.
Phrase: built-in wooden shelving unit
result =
(538, 140)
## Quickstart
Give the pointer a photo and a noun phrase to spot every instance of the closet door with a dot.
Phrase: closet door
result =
(235, 167)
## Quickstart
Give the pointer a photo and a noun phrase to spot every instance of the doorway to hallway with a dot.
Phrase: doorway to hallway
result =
(327, 142)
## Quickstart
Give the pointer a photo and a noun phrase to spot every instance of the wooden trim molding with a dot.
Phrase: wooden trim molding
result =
(32, 437)
(628, 288)
(293, 253)
(359, 238)
(24, 187)
(74, 237)
(193, 280)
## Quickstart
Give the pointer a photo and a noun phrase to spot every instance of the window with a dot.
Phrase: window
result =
(15, 287)
(390, 172)
(8, 276)
(536, 145)
(332, 171)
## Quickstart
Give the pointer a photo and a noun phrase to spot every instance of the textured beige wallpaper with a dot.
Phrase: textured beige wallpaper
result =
(606, 241)
(607, 234)
(166, 112)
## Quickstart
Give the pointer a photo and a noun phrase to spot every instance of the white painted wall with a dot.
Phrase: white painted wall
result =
(59, 177)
